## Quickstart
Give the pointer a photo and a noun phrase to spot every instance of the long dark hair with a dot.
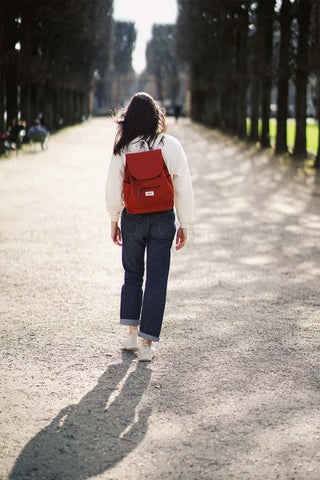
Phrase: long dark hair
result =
(143, 117)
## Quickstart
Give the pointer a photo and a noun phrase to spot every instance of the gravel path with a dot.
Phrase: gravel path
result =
(234, 390)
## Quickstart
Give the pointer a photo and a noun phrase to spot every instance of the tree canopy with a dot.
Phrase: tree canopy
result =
(125, 36)
(162, 60)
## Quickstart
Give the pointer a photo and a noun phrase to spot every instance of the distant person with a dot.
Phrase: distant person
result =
(38, 133)
(141, 129)
(16, 132)
(177, 111)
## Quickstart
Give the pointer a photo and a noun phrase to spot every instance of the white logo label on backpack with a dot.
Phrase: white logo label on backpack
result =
(150, 193)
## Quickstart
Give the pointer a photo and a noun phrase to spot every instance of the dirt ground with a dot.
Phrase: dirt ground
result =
(234, 391)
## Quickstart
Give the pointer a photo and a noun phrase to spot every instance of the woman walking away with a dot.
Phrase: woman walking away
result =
(148, 176)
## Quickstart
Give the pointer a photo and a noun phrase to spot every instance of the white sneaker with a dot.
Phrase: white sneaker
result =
(131, 342)
(147, 353)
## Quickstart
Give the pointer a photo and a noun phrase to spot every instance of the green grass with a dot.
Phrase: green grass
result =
(312, 134)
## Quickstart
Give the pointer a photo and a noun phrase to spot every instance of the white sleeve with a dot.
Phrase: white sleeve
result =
(177, 164)
(114, 187)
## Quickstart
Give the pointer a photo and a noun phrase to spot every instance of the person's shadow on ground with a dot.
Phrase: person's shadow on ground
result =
(88, 438)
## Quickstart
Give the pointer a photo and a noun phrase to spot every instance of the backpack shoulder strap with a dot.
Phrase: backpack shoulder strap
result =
(143, 143)
(157, 144)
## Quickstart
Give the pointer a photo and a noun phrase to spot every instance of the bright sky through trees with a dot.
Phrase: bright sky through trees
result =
(144, 13)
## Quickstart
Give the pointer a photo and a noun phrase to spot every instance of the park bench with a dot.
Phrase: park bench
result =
(38, 136)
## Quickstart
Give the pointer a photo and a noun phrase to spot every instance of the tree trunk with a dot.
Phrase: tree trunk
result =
(2, 87)
(67, 107)
(33, 102)
(266, 71)
(11, 94)
(254, 114)
(302, 73)
(255, 84)
(234, 109)
(55, 108)
(242, 52)
(317, 161)
(63, 118)
(197, 105)
(26, 103)
(317, 69)
(283, 77)
(82, 104)
(49, 108)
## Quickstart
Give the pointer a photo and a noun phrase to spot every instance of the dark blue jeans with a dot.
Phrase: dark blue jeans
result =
(146, 242)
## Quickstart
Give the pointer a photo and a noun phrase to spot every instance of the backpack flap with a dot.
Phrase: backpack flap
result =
(145, 165)
(147, 185)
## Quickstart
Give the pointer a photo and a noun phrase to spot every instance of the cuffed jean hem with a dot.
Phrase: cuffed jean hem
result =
(129, 321)
(146, 336)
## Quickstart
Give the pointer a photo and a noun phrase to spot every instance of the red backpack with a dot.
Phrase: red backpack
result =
(147, 185)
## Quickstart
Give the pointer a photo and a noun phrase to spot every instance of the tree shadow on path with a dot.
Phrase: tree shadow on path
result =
(88, 438)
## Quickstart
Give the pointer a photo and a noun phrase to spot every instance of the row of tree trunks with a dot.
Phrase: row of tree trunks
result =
(241, 52)
(49, 57)
(28, 100)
